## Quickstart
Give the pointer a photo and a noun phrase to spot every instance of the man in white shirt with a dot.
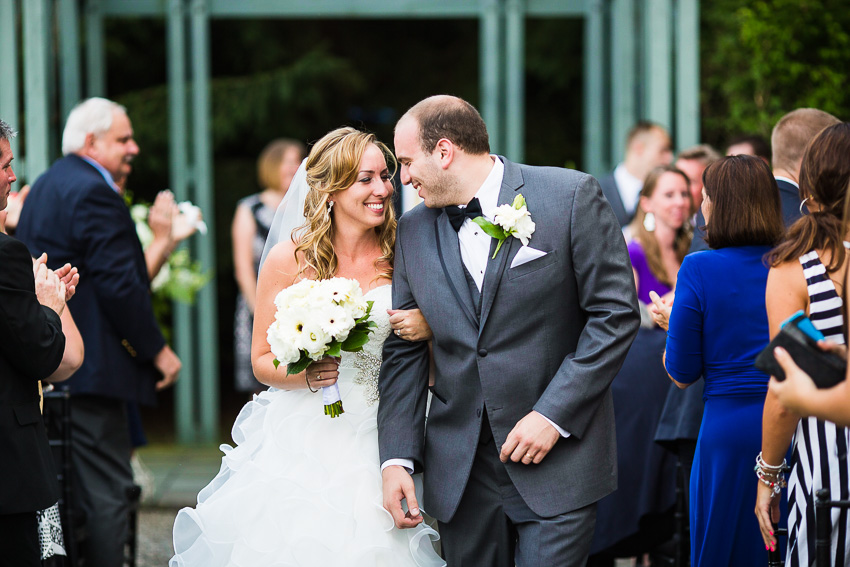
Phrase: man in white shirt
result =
(647, 147)
(527, 339)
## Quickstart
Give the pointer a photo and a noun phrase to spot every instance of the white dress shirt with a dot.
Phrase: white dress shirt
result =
(629, 187)
(475, 251)
(786, 180)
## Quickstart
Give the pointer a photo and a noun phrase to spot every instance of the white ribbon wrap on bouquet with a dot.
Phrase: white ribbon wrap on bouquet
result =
(330, 395)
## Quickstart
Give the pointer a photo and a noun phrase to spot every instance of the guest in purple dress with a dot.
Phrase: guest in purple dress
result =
(636, 518)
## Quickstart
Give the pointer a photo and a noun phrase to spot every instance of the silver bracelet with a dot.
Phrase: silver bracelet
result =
(772, 476)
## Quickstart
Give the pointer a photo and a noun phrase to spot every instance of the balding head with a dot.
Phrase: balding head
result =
(793, 133)
(451, 118)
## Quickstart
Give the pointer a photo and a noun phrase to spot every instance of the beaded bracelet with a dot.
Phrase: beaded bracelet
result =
(771, 476)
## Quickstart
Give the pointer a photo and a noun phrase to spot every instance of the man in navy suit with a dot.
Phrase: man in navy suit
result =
(789, 139)
(75, 213)
(647, 147)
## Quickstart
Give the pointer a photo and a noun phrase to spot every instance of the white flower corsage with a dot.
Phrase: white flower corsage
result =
(508, 220)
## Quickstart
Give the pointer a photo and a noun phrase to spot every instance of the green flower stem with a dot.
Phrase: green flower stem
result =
(334, 409)
(499, 245)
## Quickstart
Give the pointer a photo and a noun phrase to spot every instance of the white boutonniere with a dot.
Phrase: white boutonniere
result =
(509, 220)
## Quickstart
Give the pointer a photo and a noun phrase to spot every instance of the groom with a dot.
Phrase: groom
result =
(520, 438)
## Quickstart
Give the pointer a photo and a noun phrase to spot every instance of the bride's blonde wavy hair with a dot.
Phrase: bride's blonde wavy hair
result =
(332, 166)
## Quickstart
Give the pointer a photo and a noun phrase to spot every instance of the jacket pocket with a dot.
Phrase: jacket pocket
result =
(27, 414)
(533, 265)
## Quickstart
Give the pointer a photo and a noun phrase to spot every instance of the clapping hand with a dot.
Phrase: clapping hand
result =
(661, 308)
(161, 216)
(49, 289)
(68, 274)
(186, 223)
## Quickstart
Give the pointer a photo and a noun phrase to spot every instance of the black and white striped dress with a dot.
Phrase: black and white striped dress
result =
(819, 456)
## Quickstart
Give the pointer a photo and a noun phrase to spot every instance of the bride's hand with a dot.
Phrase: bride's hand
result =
(410, 324)
(323, 373)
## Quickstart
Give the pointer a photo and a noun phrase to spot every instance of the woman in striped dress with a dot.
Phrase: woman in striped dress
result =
(807, 273)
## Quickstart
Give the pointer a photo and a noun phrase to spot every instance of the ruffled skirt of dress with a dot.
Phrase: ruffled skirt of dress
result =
(299, 489)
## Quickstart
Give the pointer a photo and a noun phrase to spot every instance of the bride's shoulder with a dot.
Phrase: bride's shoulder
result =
(282, 262)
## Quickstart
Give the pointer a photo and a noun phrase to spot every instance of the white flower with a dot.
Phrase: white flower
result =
(507, 217)
(282, 345)
(524, 228)
(291, 323)
(145, 234)
(340, 290)
(314, 340)
(193, 215)
(336, 322)
(295, 296)
(139, 213)
(509, 220)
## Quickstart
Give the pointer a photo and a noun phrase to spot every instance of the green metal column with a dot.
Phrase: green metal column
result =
(70, 91)
(9, 101)
(37, 109)
(623, 75)
(185, 408)
(595, 131)
(95, 53)
(490, 61)
(205, 198)
(687, 74)
(657, 61)
(515, 80)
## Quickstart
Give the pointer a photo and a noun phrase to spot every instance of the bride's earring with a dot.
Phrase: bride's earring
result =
(330, 206)
(649, 222)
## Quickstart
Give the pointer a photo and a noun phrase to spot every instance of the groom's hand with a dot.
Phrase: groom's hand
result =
(530, 440)
(398, 486)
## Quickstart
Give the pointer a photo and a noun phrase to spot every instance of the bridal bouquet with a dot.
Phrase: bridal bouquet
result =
(315, 319)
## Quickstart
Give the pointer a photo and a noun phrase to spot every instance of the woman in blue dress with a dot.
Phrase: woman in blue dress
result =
(717, 326)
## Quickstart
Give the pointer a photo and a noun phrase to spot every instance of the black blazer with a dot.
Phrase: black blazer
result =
(612, 195)
(31, 348)
(75, 216)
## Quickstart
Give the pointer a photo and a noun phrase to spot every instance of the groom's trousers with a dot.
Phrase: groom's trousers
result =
(493, 525)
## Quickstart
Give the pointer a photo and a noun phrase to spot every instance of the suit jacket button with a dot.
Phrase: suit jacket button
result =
(478, 412)
(482, 352)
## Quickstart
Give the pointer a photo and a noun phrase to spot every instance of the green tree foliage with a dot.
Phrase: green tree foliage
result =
(763, 58)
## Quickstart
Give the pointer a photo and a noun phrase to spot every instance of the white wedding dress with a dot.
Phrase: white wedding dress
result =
(302, 489)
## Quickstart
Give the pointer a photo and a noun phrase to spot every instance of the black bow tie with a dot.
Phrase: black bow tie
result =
(458, 215)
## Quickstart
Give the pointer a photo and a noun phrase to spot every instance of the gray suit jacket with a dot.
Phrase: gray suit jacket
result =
(552, 335)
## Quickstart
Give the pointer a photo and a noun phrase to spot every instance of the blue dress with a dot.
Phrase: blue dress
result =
(717, 327)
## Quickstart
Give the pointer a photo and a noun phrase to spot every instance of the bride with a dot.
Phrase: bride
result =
(300, 488)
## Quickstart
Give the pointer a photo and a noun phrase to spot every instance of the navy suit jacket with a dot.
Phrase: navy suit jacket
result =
(75, 216)
(31, 347)
(612, 195)
(789, 195)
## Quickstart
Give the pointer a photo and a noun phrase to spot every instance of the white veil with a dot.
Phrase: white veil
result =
(290, 212)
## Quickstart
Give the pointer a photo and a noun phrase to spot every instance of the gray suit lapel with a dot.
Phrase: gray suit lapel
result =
(511, 183)
(448, 251)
